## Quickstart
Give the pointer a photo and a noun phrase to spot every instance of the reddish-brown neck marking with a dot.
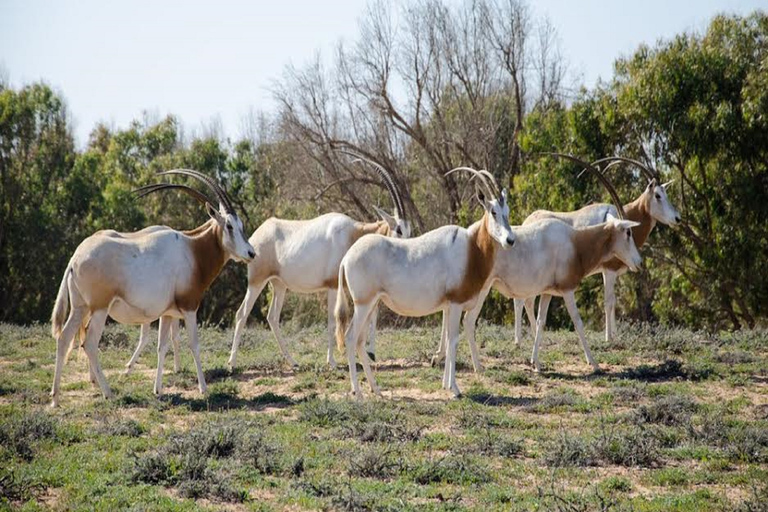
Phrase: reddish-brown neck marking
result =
(591, 245)
(209, 258)
(640, 211)
(481, 253)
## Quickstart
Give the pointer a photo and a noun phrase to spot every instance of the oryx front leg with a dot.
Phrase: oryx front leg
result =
(162, 349)
(273, 317)
(573, 311)
(190, 321)
(609, 279)
(470, 326)
(541, 322)
(143, 340)
(439, 356)
(176, 339)
(254, 290)
(519, 320)
(449, 375)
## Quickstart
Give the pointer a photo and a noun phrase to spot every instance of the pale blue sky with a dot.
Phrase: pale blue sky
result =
(201, 60)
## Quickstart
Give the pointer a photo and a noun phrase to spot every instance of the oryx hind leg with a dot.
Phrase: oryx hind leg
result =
(273, 317)
(254, 290)
(143, 340)
(91, 346)
(363, 355)
(351, 338)
(573, 311)
(541, 322)
(68, 333)
(439, 356)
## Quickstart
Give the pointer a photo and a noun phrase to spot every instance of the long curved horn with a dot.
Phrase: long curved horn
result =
(594, 170)
(389, 182)
(492, 180)
(604, 169)
(647, 171)
(217, 189)
(477, 174)
(156, 187)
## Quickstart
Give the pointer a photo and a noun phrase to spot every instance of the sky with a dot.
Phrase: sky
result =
(208, 62)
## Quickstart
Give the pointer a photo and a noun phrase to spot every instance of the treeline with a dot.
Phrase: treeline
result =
(480, 84)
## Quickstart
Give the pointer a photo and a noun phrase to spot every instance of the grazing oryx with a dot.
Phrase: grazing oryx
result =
(551, 258)
(138, 278)
(304, 255)
(443, 270)
(651, 207)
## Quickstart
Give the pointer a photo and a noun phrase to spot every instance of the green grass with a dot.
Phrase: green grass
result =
(677, 421)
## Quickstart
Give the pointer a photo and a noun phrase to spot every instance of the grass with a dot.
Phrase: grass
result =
(677, 420)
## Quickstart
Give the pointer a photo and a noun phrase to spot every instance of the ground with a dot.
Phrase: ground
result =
(677, 420)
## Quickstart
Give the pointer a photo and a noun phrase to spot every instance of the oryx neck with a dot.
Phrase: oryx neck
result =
(640, 211)
(209, 257)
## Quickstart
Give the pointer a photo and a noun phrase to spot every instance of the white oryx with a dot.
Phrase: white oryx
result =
(551, 258)
(442, 270)
(651, 207)
(139, 278)
(304, 255)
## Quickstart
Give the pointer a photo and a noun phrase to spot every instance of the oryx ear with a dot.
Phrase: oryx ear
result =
(665, 185)
(214, 213)
(626, 224)
(389, 219)
(503, 196)
(610, 218)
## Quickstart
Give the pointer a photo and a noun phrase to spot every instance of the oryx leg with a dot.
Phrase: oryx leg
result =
(370, 344)
(470, 326)
(439, 356)
(254, 290)
(162, 349)
(91, 346)
(273, 317)
(609, 279)
(68, 333)
(519, 320)
(143, 340)
(573, 311)
(190, 321)
(363, 355)
(530, 311)
(541, 321)
(453, 321)
(176, 339)
(331, 360)
(351, 338)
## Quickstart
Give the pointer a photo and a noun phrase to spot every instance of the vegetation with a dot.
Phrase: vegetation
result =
(267, 439)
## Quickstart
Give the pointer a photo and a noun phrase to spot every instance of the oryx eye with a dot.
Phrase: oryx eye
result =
(229, 226)
(399, 231)
(658, 196)
(629, 233)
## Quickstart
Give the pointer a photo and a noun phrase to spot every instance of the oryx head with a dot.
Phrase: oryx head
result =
(622, 243)
(655, 195)
(494, 203)
(661, 208)
(398, 224)
(233, 238)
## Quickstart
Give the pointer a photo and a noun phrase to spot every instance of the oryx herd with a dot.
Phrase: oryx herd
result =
(161, 273)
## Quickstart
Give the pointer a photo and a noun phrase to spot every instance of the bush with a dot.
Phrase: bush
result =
(374, 462)
(672, 410)
(450, 469)
(21, 433)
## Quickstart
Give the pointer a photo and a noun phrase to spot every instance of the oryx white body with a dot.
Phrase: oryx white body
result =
(442, 270)
(651, 207)
(136, 278)
(551, 258)
(303, 256)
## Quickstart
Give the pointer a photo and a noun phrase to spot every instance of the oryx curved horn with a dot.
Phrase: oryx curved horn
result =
(389, 182)
(647, 171)
(604, 180)
(155, 187)
(490, 190)
(217, 189)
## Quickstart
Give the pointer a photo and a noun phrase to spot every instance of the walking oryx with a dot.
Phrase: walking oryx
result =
(304, 255)
(651, 207)
(442, 270)
(137, 278)
(551, 258)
